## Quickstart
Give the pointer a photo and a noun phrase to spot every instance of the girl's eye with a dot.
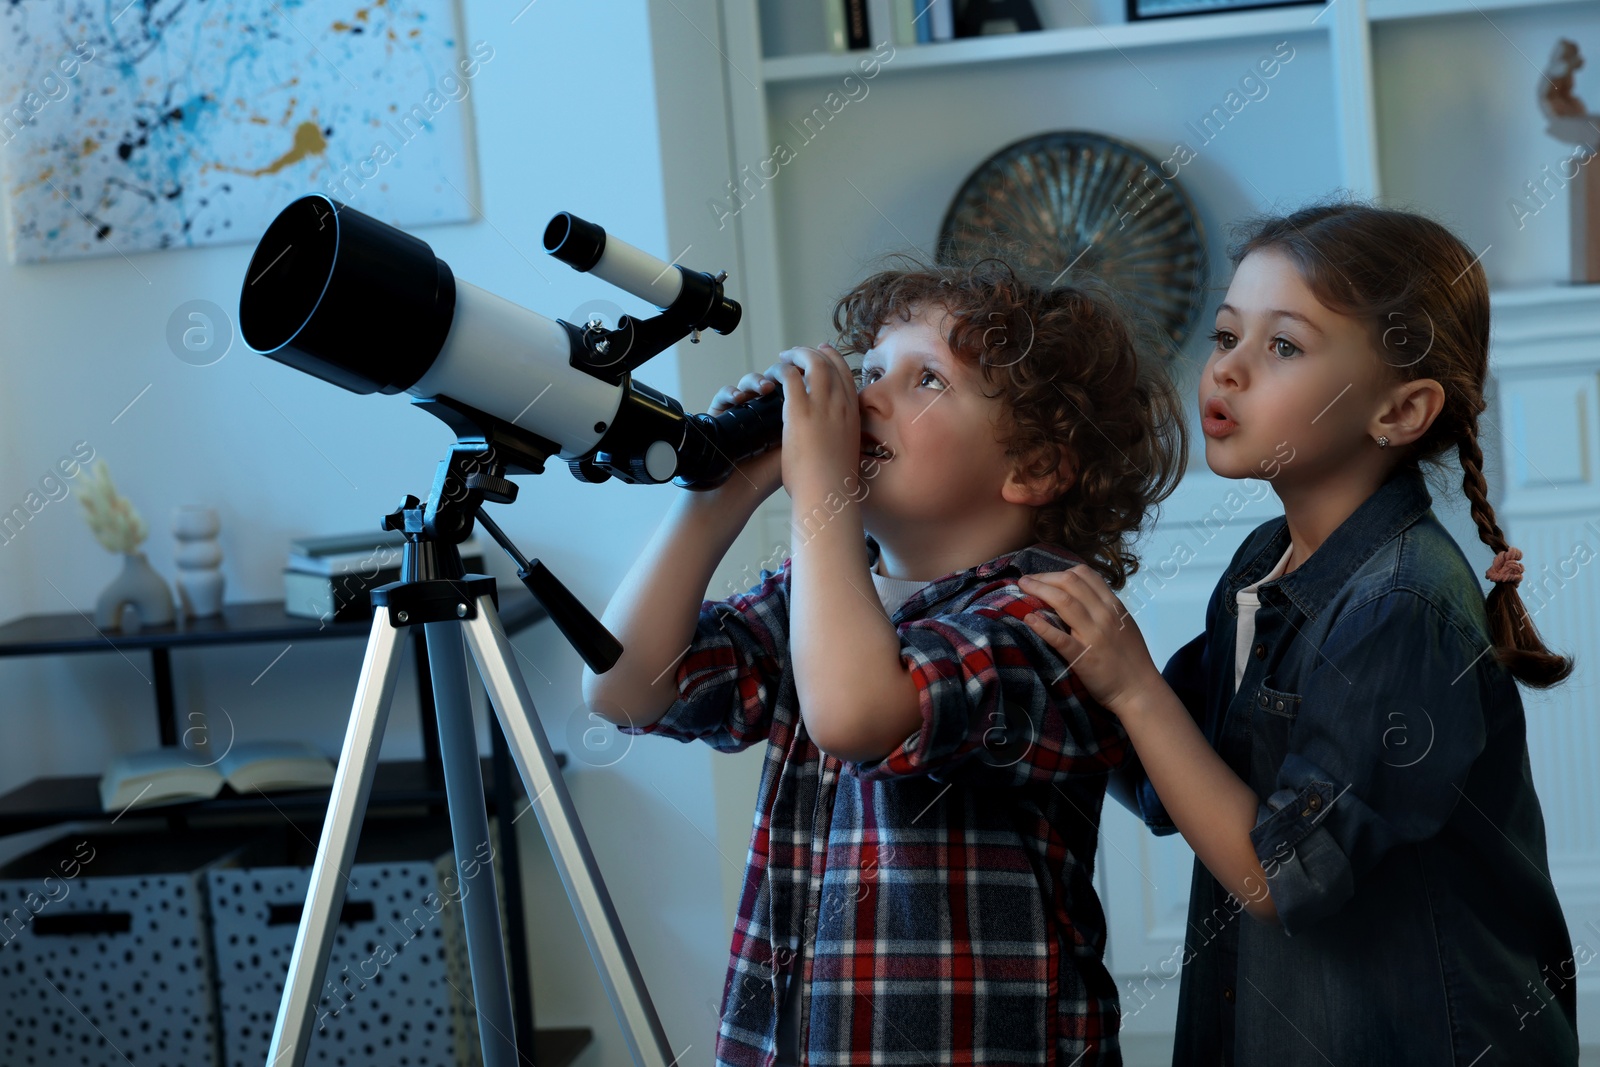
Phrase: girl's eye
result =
(929, 374)
(861, 376)
(1281, 347)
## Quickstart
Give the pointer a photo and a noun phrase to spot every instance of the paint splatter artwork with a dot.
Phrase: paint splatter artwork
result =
(132, 125)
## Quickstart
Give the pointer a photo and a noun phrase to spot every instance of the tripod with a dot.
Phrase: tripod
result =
(436, 594)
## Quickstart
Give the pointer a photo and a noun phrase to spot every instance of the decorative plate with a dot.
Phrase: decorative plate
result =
(1084, 201)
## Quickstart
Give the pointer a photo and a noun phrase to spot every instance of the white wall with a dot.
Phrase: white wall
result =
(566, 120)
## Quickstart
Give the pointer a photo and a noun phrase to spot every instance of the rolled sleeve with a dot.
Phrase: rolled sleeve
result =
(997, 703)
(1391, 720)
(731, 676)
(1185, 674)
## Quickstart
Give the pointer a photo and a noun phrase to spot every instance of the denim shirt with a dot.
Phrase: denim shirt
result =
(1398, 826)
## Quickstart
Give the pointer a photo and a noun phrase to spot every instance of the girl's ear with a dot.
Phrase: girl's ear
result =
(1411, 409)
(1037, 490)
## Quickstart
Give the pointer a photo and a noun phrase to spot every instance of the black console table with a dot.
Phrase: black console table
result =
(400, 788)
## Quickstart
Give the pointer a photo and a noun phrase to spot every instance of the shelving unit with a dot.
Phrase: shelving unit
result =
(1064, 41)
(408, 789)
(1358, 52)
(1428, 104)
(1129, 36)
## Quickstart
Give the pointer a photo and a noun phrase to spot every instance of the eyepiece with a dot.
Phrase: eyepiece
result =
(714, 443)
(575, 242)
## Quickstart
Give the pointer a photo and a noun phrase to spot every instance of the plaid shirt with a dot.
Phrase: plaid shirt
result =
(942, 895)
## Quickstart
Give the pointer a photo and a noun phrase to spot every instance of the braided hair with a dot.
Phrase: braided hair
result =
(1425, 299)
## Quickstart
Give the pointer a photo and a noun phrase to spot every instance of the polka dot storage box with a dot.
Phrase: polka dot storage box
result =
(104, 951)
(397, 980)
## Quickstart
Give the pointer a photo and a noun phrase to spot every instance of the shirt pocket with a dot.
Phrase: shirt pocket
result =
(1272, 715)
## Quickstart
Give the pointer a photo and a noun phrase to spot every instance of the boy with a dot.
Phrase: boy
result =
(918, 886)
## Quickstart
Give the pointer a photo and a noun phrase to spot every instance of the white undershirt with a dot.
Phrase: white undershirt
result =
(1248, 602)
(894, 591)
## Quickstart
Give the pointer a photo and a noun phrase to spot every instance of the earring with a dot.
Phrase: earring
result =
(1383, 442)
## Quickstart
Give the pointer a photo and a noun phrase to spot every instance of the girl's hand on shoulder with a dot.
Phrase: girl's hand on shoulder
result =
(1101, 644)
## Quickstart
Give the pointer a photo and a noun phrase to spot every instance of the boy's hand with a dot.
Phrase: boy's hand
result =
(1102, 644)
(821, 421)
(763, 473)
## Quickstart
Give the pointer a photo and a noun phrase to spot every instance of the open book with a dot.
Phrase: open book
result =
(175, 775)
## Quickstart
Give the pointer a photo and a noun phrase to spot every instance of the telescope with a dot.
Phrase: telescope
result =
(368, 307)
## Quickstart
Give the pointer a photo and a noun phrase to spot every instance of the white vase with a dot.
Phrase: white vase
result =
(138, 587)
(199, 560)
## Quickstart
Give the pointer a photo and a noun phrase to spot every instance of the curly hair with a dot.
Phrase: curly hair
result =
(1080, 376)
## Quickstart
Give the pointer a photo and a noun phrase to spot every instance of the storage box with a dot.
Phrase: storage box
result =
(397, 984)
(103, 951)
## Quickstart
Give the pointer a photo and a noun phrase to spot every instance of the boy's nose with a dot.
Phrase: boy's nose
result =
(873, 397)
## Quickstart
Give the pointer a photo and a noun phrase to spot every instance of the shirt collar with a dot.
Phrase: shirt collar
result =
(1396, 505)
(1037, 558)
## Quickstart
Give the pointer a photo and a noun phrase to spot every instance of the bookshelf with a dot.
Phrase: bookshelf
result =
(1154, 33)
(1062, 41)
(1375, 104)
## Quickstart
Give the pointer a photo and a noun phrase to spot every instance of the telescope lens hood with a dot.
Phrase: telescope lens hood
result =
(339, 295)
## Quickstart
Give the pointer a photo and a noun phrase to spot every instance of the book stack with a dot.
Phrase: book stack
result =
(863, 24)
(332, 578)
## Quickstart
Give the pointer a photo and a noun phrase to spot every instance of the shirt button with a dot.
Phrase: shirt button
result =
(1314, 801)
(1262, 700)
(1227, 994)
(1261, 652)
(1279, 705)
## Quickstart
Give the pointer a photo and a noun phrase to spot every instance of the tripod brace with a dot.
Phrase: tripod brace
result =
(434, 592)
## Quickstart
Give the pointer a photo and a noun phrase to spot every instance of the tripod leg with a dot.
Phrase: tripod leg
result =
(347, 804)
(580, 875)
(469, 829)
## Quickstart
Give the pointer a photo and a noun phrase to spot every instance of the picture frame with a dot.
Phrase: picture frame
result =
(1144, 10)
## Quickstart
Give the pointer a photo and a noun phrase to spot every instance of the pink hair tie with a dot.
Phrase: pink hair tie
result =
(1505, 567)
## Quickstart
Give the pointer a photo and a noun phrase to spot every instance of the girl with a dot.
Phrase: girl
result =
(1343, 746)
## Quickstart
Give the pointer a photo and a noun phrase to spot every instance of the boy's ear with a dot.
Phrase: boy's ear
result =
(1037, 490)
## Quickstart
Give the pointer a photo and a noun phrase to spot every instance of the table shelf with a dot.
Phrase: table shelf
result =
(400, 787)
(397, 786)
(251, 622)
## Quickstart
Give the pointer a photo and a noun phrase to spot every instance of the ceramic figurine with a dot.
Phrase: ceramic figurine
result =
(120, 529)
(1570, 121)
(199, 560)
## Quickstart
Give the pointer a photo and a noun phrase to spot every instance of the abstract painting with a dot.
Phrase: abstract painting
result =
(132, 125)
